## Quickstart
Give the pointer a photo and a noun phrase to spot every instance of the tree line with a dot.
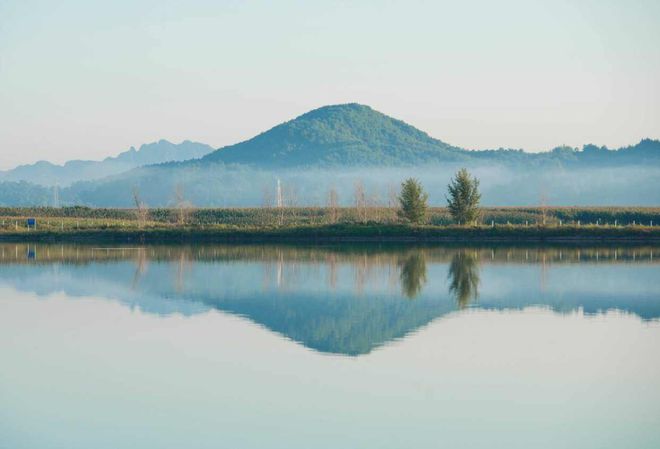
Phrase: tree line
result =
(405, 203)
(412, 201)
(462, 199)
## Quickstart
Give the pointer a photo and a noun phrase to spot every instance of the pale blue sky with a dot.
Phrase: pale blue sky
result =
(87, 79)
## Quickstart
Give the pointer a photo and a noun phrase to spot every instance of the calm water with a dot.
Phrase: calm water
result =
(331, 347)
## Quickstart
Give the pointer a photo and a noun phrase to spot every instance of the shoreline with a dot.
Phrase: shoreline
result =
(347, 234)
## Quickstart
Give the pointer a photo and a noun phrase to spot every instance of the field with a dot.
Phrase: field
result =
(68, 218)
(318, 224)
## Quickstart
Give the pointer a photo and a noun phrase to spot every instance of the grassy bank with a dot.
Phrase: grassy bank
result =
(340, 233)
(84, 217)
(82, 224)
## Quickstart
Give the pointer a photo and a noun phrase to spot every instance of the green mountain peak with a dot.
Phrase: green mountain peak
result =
(345, 134)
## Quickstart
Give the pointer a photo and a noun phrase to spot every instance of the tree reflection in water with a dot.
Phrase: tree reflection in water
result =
(413, 274)
(464, 277)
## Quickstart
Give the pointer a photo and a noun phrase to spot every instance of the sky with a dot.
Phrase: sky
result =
(88, 79)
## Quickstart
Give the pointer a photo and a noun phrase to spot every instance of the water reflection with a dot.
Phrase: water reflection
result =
(341, 299)
(413, 274)
(141, 264)
(367, 255)
(464, 277)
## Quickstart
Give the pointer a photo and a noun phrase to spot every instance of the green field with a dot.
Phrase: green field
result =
(324, 224)
(85, 217)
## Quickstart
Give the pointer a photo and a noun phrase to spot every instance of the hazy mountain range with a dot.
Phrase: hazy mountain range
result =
(48, 174)
(337, 146)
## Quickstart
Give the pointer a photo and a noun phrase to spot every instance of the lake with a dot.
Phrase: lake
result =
(342, 346)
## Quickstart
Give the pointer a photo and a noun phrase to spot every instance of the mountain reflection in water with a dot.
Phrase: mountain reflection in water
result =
(341, 299)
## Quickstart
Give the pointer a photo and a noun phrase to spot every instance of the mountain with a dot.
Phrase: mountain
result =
(47, 174)
(335, 147)
(348, 135)
(351, 135)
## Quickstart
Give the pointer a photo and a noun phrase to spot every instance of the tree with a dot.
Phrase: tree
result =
(141, 212)
(183, 206)
(464, 196)
(413, 201)
(360, 201)
(333, 205)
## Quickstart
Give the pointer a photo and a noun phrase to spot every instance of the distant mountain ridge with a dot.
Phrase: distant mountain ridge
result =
(48, 174)
(335, 147)
(337, 135)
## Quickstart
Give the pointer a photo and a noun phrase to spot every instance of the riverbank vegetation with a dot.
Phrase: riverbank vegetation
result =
(369, 232)
(71, 218)
(407, 217)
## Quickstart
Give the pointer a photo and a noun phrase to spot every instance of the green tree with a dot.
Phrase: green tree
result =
(413, 201)
(464, 196)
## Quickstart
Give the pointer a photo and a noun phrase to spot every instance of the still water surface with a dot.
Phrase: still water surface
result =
(329, 347)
